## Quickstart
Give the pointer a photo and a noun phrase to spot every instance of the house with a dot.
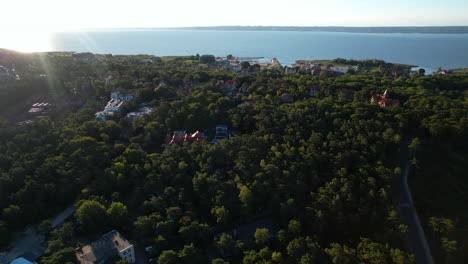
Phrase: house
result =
(222, 132)
(115, 104)
(315, 71)
(180, 137)
(21, 261)
(290, 70)
(110, 244)
(388, 102)
(103, 115)
(384, 100)
(39, 108)
(25, 122)
(442, 72)
(117, 95)
(141, 112)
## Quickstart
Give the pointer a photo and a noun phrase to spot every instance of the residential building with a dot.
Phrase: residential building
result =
(315, 71)
(141, 112)
(120, 96)
(110, 244)
(25, 122)
(384, 100)
(181, 136)
(290, 70)
(115, 104)
(275, 61)
(103, 115)
(21, 261)
(222, 132)
(442, 72)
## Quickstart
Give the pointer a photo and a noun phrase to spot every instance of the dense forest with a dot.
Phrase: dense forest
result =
(319, 168)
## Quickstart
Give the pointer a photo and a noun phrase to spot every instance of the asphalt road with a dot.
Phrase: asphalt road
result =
(30, 244)
(415, 237)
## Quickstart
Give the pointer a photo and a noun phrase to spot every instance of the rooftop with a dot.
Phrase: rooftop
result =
(21, 261)
(100, 250)
(114, 103)
(180, 137)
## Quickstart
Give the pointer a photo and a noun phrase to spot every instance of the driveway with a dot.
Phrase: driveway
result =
(415, 237)
(29, 243)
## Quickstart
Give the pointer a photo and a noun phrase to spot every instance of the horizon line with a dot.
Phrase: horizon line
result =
(277, 26)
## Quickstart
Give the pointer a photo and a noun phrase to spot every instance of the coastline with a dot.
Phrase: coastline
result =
(451, 30)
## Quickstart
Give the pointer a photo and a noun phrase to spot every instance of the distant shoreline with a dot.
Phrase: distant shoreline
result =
(372, 30)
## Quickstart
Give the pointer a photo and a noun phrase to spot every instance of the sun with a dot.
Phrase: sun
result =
(26, 40)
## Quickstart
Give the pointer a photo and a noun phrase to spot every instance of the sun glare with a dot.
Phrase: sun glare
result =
(26, 41)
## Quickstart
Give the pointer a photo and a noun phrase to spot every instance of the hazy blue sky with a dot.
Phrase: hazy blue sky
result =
(69, 14)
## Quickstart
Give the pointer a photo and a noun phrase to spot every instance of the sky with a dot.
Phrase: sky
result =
(59, 15)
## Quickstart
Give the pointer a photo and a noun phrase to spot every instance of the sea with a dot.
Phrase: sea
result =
(428, 51)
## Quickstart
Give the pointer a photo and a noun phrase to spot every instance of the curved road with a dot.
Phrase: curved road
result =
(415, 237)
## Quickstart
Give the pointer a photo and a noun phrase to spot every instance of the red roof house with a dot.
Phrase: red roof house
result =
(384, 100)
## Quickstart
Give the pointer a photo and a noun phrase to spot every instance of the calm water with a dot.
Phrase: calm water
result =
(425, 50)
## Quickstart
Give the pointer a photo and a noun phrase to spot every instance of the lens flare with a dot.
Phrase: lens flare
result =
(25, 41)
